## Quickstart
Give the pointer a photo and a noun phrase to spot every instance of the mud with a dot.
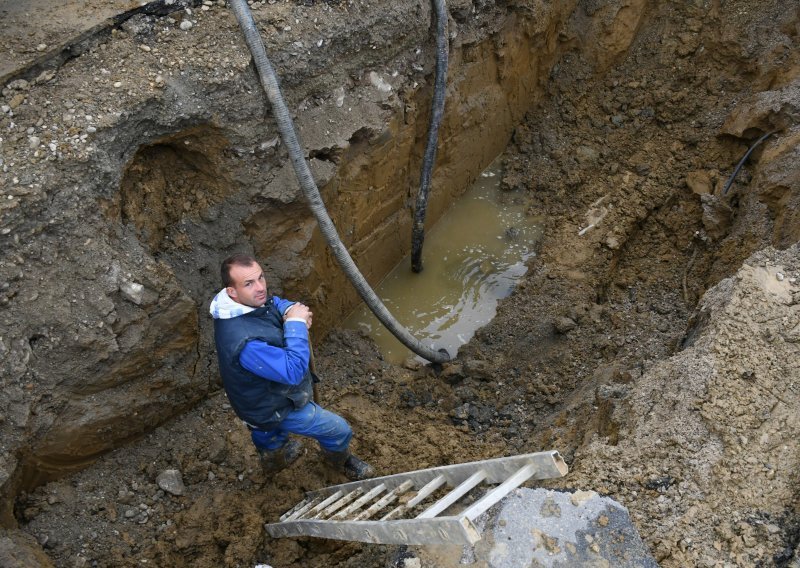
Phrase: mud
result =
(654, 340)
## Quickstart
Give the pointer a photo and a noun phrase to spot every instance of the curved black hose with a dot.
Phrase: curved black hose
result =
(269, 81)
(743, 160)
(429, 159)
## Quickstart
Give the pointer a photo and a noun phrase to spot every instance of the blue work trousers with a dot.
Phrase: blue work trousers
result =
(331, 430)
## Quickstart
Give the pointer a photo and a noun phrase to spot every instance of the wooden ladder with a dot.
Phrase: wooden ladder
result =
(349, 511)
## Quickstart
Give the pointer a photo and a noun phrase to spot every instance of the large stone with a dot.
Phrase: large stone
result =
(538, 527)
(20, 550)
(543, 528)
(171, 481)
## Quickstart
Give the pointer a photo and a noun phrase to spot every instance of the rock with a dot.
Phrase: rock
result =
(19, 85)
(338, 96)
(699, 182)
(412, 364)
(452, 373)
(133, 291)
(717, 216)
(585, 531)
(186, 25)
(478, 369)
(564, 324)
(170, 480)
(20, 550)
(378, 82)
(586, 156)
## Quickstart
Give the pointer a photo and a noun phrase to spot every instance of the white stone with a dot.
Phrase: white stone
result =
(171, 481)
(338, 95)
(132, 291)
(186, 25)
(377, 81)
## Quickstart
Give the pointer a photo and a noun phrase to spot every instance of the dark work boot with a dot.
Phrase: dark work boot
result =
(273, 461)
(355, 469)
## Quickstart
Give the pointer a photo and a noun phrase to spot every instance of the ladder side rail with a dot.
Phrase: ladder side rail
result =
(440, 530)
(468, 484)
(422, 494)
(387, 499)
(363, 500)
(549, 463)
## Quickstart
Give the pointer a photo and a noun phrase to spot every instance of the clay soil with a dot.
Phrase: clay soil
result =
(654, 350)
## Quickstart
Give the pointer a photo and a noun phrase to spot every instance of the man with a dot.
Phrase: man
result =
(263, 351)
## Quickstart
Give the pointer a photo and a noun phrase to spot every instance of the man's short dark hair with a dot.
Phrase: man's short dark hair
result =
(238, 259)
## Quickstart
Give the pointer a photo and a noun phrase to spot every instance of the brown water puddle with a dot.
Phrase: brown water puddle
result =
(473, 257)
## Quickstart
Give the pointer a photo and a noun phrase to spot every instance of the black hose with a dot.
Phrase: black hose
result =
(269, 81)
(429, 159)
(743, 160)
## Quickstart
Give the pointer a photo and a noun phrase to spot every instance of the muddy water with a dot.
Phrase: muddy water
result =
(473, 257)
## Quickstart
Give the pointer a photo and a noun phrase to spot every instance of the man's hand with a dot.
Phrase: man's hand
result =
(300, 311)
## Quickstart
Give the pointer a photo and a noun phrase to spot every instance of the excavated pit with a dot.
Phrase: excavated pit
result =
(653, 340)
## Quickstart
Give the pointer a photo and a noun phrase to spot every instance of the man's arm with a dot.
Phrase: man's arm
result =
(289, 309)
(285, 365)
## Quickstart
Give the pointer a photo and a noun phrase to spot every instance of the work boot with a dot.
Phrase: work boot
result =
(273, 461)
(355, 469)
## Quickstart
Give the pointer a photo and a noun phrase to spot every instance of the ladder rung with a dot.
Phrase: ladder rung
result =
(456, 494)
(340, 503)
(422, 494)
(304, 508)
(521, 476)
(297, 507)
(319, 506)
(367, 497)
(383, 502)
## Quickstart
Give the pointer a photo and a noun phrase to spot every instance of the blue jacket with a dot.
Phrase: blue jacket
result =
(263, 361)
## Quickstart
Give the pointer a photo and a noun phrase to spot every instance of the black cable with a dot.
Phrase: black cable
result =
(744, 158)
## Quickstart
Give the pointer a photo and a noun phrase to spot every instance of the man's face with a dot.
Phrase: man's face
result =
(249, 285)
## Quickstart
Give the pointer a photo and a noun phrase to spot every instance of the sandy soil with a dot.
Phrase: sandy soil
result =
(654, 340)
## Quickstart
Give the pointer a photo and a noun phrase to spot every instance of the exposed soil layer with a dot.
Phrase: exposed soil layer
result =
(655, 340)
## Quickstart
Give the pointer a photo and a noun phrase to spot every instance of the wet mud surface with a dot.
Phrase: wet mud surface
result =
(654, 340)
